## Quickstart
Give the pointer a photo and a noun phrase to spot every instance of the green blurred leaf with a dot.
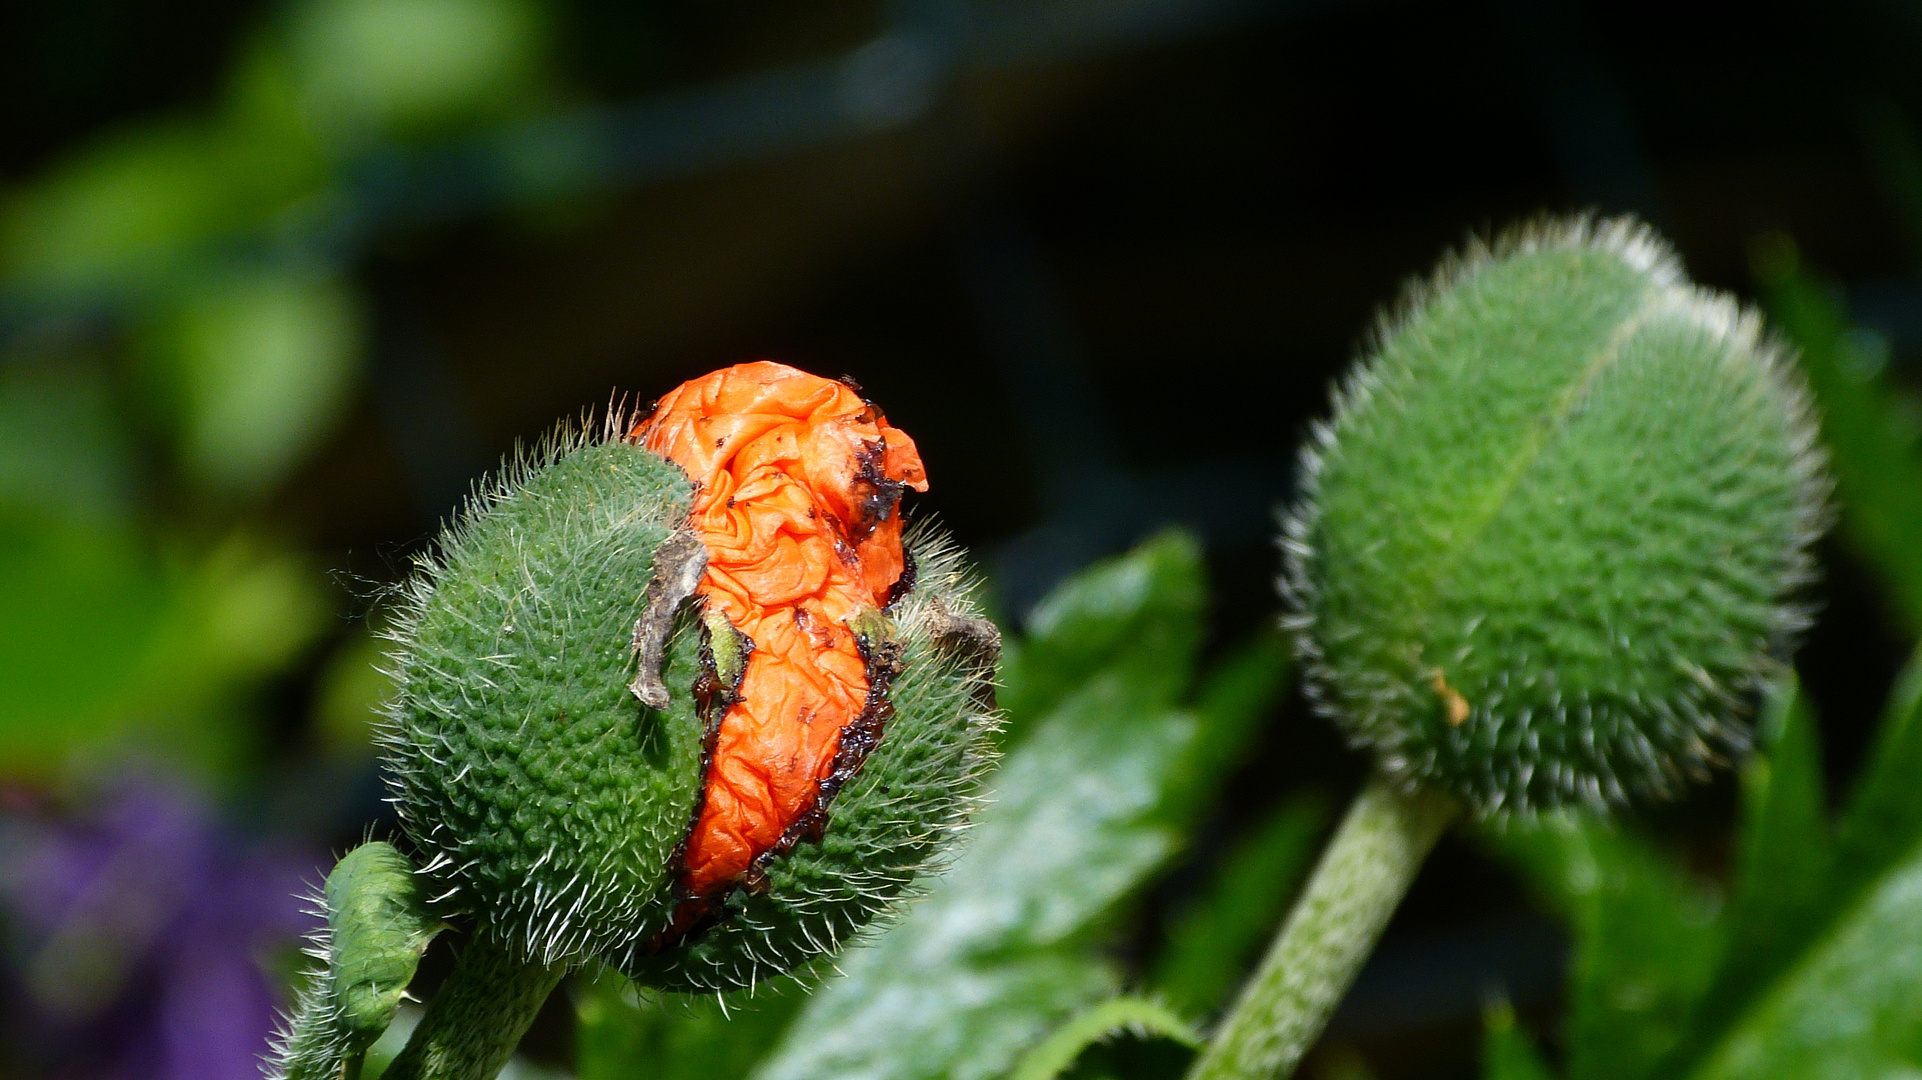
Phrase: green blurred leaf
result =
(1212, 945)
(1646, 939)
(111, 643)
(1883, 817)
(1004, 946)
(261, 365)
(998, 951)
(408, 67)
(1784, 861)
(63, 449)
(1870, 429)
(86, 607)
(673, 1037)
(125, 212)
(350, 696)
(1235, 697)
(1141, 1017)
(1848, 1007)
(132, 202)
(1139, 613)
(1507, 1051)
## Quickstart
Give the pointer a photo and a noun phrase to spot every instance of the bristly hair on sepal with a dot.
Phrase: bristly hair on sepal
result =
(512, 743)
(1500, 570)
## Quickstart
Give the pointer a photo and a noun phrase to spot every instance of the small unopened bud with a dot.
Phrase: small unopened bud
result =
(1550, 544)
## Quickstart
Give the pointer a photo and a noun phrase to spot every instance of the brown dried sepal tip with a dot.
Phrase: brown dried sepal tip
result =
(797, 485)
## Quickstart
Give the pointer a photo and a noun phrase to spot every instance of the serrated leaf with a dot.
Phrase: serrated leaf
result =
(1848, 1007)
(1139, 1016)
(1507, 1051)
(1646, 939)
(1212, 945)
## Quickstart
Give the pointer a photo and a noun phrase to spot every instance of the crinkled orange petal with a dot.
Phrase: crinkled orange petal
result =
(797, 484)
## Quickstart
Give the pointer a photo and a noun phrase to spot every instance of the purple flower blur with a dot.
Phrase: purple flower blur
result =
(136, 936)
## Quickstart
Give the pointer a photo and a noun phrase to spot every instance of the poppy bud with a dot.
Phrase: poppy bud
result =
(682, 697)
(1550, 544)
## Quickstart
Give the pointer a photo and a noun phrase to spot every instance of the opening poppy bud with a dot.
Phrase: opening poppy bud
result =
(1550, 544)
(683, 696)
(850, 668)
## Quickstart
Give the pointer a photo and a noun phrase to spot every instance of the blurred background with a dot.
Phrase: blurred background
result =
(279, 281)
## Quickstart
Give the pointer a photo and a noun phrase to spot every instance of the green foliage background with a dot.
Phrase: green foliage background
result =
(191, 324)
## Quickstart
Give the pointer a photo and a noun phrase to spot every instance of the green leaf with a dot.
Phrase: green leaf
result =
(1235, 697)
(1139, 612)
(673, 1036)
(1883, 818)
(1507, 1051)
(1870, 430)
(1848, 1008)
(1142, 1017)
(1783, 863)
(1005, 944)
(1212, 945)
(997, 951)
(1645, 939)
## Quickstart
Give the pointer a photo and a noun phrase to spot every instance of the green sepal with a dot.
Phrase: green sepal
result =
(546, 798)
(1551, 544)
(378, 924)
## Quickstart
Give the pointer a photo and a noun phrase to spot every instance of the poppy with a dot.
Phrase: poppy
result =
(797, 486)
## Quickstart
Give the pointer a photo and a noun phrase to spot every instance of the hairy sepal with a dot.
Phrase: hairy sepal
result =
(1550, 547)
(547, 799)
(376, 925)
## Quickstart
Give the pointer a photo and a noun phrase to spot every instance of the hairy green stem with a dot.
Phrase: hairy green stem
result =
(1322, 945)
(478, 1017)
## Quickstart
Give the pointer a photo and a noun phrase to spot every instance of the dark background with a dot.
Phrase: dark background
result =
(1100, 260)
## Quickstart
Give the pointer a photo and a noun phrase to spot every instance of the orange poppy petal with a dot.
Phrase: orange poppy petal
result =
(798, 485)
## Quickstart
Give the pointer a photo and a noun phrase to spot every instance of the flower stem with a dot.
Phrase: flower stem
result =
(1362, 876)
(477, 1019)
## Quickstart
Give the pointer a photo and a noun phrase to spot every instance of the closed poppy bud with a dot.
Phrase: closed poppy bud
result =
(684, 696)
(1552, 542)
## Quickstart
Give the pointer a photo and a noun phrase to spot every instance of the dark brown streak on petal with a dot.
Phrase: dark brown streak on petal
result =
(714, 694)
(903, 585)
(882, 656)
(875, 495)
